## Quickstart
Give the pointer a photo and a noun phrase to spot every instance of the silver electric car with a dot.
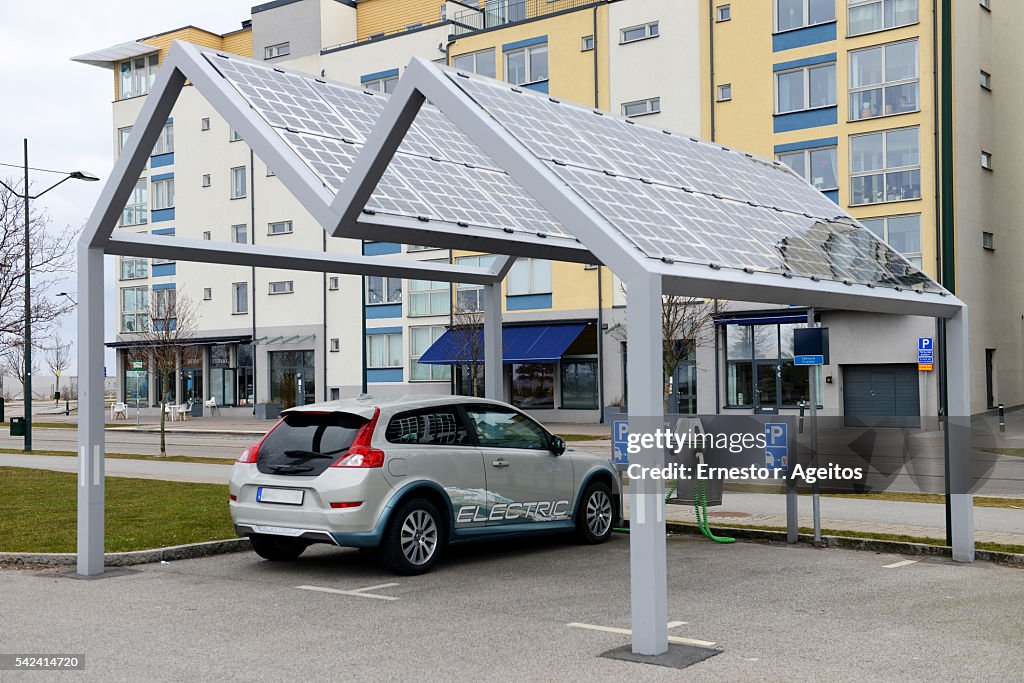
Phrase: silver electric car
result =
(410, 476)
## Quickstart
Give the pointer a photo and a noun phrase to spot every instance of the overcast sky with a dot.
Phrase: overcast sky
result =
(64, 108)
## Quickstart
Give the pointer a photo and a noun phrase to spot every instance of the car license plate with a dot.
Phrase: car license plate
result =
(266, 494)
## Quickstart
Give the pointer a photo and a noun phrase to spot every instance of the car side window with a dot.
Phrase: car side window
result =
(437, 427)
(506, 429)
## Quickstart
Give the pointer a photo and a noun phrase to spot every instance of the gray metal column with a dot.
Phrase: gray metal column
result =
(90, 411)
(958, 436)
(493, 377)
(647, 563)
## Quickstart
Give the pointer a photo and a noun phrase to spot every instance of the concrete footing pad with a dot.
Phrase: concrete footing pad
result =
(678, 656)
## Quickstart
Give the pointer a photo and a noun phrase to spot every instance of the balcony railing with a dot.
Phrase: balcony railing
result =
(501, 12)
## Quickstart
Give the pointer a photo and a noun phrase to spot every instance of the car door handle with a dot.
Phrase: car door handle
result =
(499, 463)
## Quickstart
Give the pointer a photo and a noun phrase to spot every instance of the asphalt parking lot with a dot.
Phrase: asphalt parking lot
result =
(502, 612)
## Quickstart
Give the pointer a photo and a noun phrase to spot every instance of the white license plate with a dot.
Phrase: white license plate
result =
(266, 494)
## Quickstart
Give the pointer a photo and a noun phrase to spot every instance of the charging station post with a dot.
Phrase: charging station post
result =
(810, 348)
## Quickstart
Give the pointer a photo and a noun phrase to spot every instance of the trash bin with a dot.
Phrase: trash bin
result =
(17, 426)
(56, 396)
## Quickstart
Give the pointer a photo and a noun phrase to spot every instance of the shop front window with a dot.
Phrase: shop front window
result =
(759, 367)
(292, 378)
(579, 383)
(533, 385)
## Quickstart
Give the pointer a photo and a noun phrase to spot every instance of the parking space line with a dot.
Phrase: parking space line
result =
(629, 632)
(673, 624)
(902, 563)
(358, 593)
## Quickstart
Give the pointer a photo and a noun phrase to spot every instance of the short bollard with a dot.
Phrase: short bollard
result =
(800, 422)
(1002, 418)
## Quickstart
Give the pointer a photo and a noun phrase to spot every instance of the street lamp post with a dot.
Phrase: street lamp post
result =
(26, 198)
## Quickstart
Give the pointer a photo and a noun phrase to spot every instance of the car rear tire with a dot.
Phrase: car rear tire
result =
(278, 549)
(596, 514)
(414, 538)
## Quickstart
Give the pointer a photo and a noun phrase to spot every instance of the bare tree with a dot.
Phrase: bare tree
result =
(468, 347)
(58, 357)
(52, 258)
(12, 361)
(166, 339)
(686, 323)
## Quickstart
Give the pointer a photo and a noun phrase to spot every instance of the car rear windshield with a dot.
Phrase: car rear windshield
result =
(305, 444)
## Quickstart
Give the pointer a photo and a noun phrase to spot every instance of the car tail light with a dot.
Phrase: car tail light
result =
(346, 505)
(360, 454)
(252, 452)
(233, 497)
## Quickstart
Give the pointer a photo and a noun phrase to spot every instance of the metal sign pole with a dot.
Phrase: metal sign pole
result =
(815, 487)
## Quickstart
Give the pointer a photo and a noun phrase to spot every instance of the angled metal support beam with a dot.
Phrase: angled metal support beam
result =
(233, 254)
(501, 267)
(494, 375)
(91, 407)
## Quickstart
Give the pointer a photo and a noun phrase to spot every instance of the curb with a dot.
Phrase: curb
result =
(156, 430)
(853, 543)
(127, 559)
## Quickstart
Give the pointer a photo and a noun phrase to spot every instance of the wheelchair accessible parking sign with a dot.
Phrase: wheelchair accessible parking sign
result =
(776, 452)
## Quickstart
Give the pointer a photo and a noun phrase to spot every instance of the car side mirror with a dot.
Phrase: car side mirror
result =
(557, 445)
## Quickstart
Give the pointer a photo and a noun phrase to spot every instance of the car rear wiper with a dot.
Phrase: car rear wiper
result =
(307, 454)
(291, 468)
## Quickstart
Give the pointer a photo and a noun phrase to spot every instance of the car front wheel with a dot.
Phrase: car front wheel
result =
(414, 537)
(595, 515)
(278, 549)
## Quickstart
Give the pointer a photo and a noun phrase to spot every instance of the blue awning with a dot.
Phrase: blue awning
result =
(521, 344)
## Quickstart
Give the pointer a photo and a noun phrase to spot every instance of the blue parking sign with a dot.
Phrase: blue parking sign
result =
(776, 452)
(620, 436)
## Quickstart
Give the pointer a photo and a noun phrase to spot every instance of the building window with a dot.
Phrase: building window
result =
(165, 143)
(988, 241)
(137, 75)
(207, 235)
(885, 167)
(234, 136)
(207, 294)
(421, 339)
(164, 302)
(635, 33)
(279, 228)
(134, 309)
(122, 137)
(793, 14)
(902, 233)
(867, 16)
(238, 182)
(884, 80)
(587, 44)
(240, 234)
(375, 36)
(470, 298)
(533, 385)
(641, 107)
(278, 50)
(529, 276)
(204, 123)
(429, 298)
(282, 287)
(136, 211)
(206, 180)
(527, 65)
(805, 88)
(335, 344)
(986, 80)
(579, 383)
(163, 194)
(819, 167)
(481, 62)
(382, 85)
(759, 367)
(723, 13)
(239, 297)
(420, 247)
(725, 92)
(383, 350)
(134, 268)
(383, 290)
(332, 283)
(986, 160)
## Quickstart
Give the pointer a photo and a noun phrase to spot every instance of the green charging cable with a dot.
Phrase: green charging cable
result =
(702, 520)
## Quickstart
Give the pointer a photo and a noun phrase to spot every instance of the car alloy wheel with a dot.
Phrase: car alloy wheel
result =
(599, 513)
(419, 537)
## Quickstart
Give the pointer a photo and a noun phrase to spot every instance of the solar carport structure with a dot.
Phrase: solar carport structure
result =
(496, 169)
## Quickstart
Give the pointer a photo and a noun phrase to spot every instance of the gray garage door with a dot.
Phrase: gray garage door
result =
(881, 395)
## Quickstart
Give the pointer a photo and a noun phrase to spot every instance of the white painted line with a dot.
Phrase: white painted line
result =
(673, 624)
(628, 632)
(355, 593)
(82, 451)
(373, 588)
(902, 563)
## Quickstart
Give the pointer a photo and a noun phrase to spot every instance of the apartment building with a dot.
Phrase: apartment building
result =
(846, 93)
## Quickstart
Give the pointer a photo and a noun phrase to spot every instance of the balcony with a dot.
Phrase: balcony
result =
(501, 12)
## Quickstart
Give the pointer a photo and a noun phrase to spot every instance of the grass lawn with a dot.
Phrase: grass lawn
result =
(585, 437)
(39, 512)
(128, 456)
(1018, 452)
(58, 425)
(934, 498)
